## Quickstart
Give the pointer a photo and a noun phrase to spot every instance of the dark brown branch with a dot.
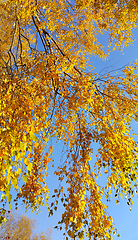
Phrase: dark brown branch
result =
(103, 93)
(27, 41)
(20, 45)
(63, 54)
(39, 34)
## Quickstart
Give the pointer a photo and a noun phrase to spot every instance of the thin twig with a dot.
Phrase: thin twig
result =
(39, 34)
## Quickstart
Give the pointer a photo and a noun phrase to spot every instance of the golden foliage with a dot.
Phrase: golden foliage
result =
(22, 227)
(47, 90)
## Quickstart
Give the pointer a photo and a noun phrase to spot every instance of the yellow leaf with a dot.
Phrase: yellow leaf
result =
(26, 161)
(18, 171)
(121, 195)
(29, 167)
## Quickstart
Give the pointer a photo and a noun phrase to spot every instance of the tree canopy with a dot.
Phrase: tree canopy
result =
(21, 227)
(50, 92)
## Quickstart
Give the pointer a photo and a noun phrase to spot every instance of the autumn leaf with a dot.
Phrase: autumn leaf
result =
(49, 92)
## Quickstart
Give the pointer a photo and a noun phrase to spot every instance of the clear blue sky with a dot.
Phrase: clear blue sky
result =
(126, 221)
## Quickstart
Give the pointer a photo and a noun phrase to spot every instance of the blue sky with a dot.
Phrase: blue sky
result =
(126, 221)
